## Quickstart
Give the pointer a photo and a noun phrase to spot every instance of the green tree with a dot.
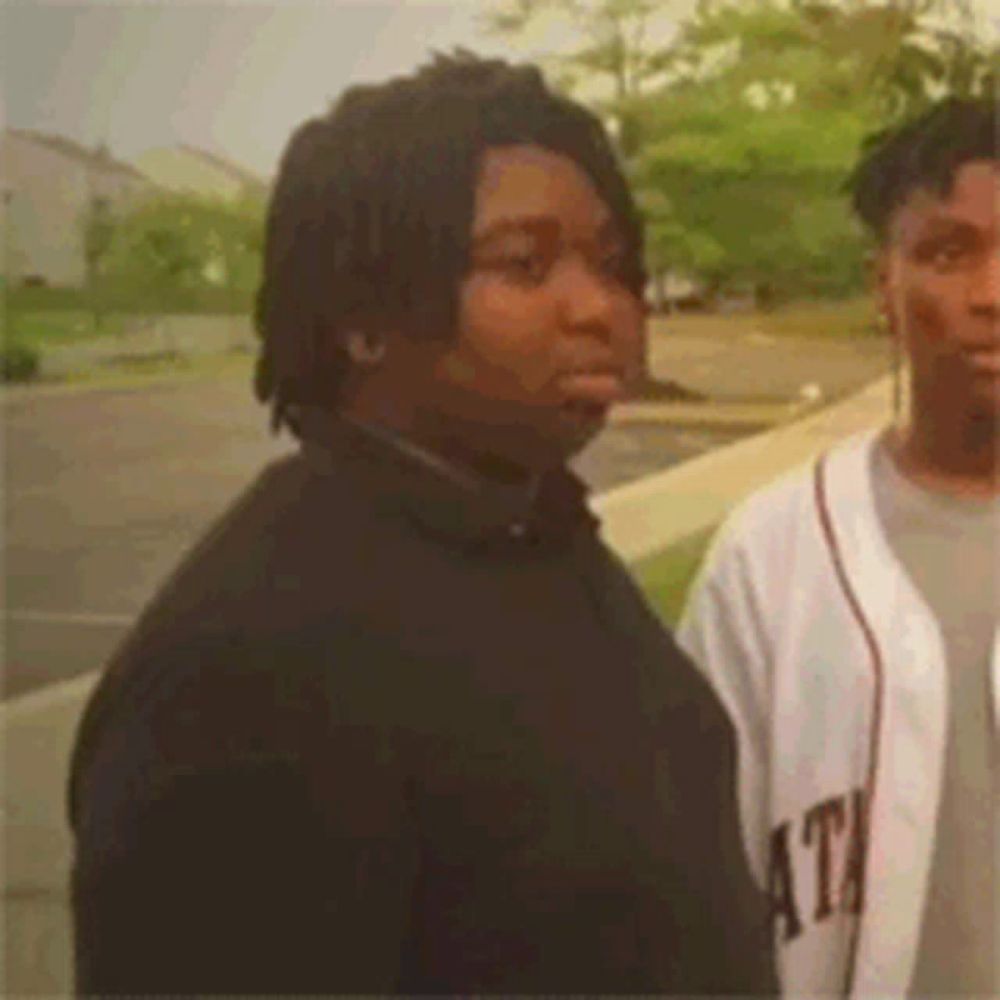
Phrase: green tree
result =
(750, 140)
(99, 228)
(171, 247)
(742, 189)
(617, 49)
(886, 56)
(740, 128)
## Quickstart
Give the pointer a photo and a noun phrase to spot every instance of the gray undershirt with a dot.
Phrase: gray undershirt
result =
(949, 547)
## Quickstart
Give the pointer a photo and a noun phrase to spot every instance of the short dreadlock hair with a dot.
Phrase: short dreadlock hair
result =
(370, 219)
(924, 153)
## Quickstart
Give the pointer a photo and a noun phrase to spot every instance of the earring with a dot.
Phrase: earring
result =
(364, 348)
(895, 361)
(897, 380)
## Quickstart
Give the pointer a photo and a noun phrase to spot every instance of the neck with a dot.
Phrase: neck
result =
(959, 457)
(465, 464)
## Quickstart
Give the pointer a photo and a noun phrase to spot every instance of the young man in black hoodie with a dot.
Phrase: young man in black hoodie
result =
(401, 722)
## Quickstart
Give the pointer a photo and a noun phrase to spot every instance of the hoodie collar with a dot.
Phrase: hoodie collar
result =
(443, 499)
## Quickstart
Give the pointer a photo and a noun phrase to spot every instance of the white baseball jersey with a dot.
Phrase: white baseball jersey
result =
(832, 668)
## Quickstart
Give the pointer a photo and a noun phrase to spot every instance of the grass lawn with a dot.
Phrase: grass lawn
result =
(43, 328)
(157, 369)
(665, 577)
(51, 327)
(842, 320)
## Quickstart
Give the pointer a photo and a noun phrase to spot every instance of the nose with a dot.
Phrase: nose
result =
(589, 300)
(984, 291)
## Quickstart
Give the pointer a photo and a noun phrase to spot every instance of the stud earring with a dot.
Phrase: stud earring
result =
(363, 348)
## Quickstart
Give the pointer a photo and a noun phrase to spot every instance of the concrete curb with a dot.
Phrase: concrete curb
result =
(642, 518)
(37, 729)
(709, 414)
(37, 733)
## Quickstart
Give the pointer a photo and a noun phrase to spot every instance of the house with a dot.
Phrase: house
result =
(671, 291)
(184, 168)
(50, 186)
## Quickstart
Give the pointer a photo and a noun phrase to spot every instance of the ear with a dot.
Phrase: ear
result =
(365, 348)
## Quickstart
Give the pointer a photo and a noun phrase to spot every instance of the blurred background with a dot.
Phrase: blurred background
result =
(141, 140)
(139, 146)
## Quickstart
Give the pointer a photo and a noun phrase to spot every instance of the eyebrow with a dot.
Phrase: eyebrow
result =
(535, 224)
(939, 226)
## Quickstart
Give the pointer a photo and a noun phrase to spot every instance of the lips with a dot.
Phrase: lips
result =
(986, 362)
(596, 386)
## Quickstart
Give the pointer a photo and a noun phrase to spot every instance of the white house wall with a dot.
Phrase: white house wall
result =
(47, 194)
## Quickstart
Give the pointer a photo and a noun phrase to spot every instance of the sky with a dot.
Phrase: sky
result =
(229, 76)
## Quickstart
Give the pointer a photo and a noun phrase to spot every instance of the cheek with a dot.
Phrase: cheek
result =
(630, 328)
(501, 338)
(495, 314)
(926, 312)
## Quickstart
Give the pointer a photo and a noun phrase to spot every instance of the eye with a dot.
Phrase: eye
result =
(947, 255)
(532, 267)
(521, 265)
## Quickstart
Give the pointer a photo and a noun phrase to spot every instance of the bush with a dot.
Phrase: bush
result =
(19, 363)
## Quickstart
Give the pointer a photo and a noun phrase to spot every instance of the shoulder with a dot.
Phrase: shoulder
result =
(269, 559)
(223, 703)
(247, 640)
(780, 519)
(756, 537)
(768, 557)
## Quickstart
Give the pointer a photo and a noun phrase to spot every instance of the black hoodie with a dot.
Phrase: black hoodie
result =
(382, 732)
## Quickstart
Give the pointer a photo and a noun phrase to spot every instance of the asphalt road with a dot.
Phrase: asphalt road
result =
(758, 366)
(105, 489)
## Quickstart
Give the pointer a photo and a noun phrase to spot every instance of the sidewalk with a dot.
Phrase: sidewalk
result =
(37, 730)
(644, 517)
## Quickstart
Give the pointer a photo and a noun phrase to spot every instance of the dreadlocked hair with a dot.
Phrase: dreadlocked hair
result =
(369, 222)
(923, 153)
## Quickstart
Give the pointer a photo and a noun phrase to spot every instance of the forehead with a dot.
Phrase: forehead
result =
(973, 201)
(532, 182)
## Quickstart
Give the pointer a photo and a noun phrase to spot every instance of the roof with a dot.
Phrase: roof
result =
(99, 157)
(237, 172)
(187, 168)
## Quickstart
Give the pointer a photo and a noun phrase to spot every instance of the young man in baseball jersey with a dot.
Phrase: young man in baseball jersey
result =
(848, 615)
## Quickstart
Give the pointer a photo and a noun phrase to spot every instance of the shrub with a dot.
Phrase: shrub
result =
(19, 363)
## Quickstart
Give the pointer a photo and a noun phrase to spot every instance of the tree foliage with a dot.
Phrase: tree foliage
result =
(176, 243)
(740, 128)
(615, 49)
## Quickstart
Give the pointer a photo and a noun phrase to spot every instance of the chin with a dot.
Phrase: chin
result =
(579, 423)
(513, 460)
(986, 400)
(985, 417)
(550, 452)
(539, 442)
